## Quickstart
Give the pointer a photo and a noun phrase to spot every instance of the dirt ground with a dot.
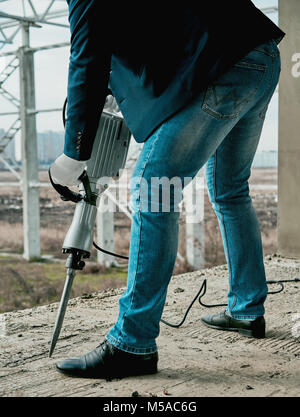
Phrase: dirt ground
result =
(194, 361)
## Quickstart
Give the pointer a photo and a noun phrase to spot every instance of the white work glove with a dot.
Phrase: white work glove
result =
(111, 104)
(66, 170)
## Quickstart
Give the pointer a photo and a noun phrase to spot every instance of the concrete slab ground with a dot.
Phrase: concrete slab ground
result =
(195, 361)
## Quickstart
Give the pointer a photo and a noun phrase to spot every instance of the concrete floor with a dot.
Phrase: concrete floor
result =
(195, 361)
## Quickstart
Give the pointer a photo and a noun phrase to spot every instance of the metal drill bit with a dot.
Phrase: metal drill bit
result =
(62, 308)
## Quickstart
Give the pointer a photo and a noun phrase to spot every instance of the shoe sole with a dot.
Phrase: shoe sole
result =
(243, 332)
(103, 376)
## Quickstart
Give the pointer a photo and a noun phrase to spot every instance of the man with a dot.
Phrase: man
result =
(193, 83)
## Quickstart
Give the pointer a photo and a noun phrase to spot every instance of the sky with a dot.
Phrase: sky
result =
(51, 74)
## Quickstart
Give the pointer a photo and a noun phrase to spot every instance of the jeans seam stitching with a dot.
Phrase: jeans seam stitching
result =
(229, 262)
(264, 52)
(272, 75)
(250, 65)
(220, 116)
(222, 220)
(274, 52)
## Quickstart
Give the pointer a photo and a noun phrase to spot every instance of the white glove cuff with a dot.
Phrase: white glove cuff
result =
(66, 170)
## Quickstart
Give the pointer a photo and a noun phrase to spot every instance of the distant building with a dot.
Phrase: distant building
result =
(265, 159)
(50, 146)
(9, 151)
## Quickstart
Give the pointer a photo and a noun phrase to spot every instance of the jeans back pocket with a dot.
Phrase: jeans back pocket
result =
(226, 97)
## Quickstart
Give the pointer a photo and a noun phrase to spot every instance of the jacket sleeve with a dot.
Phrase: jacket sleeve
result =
(88, 76)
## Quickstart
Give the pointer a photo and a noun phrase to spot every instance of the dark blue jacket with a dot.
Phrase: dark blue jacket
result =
(155, 59)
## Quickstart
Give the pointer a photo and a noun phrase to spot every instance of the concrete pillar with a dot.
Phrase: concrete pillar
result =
(289, 131)
(31, 207)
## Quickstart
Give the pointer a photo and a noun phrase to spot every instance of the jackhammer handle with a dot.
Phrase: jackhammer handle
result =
(108, 93)
(68, 195)
(65, 193)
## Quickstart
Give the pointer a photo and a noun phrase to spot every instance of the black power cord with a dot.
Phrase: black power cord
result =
(203, 287)
(203, 290)
(109, 253)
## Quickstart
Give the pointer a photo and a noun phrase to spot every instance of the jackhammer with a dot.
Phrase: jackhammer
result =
(108, 157)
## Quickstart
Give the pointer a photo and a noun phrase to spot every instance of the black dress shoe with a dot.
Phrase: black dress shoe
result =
(107, 361)
(251, 328)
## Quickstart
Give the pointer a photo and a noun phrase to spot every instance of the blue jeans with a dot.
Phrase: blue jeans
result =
(221, 128)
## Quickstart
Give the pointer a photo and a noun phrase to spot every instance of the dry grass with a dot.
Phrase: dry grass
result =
(27, 284)
(11, 237)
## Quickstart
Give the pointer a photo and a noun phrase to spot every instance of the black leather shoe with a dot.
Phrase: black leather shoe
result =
(107, 361)
(251, 328)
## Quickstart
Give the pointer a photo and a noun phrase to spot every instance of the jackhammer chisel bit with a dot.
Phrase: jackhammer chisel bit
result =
(62, 308)
(73, 263)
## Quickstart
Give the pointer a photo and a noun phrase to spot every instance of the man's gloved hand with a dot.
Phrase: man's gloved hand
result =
(66, 170)
(111, 104)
